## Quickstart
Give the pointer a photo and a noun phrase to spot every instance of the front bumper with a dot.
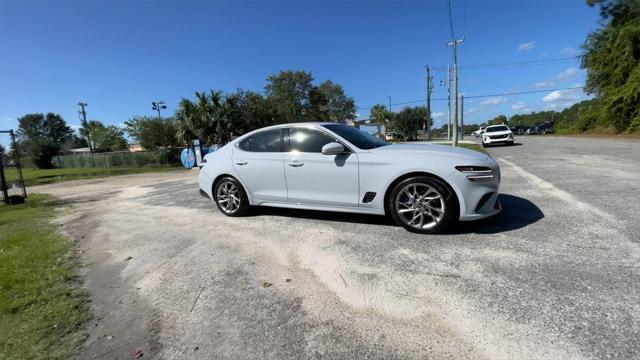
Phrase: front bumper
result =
(502, 140)
(477, 199)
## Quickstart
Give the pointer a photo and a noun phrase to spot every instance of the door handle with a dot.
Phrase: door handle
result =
(242, 162)
(296, 163)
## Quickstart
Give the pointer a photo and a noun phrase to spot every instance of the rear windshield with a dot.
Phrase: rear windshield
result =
(497, 128)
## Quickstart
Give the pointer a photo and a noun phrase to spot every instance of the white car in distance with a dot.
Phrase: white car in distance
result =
(497, 134)
(335, 167)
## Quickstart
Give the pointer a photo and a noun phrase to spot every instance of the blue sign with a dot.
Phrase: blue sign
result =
(188, 158)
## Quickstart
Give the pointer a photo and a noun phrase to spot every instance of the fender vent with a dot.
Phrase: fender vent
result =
(483, 200)
(368, 197)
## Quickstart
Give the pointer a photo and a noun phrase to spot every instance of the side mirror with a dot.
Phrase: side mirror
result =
(333, 148)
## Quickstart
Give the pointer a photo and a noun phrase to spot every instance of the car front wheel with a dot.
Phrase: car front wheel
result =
(423, 205)
(230, 197)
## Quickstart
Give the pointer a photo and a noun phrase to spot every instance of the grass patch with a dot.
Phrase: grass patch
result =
(49, 176)
(475, 147)
(41, 314)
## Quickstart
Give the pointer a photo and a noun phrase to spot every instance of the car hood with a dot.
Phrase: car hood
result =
(432, 149)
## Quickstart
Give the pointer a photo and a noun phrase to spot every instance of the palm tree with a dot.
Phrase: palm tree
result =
(380, 115)
(202, 118)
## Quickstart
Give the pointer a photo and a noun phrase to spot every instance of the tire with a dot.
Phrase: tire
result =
(230, 197)
(430, 216)
(484, 145)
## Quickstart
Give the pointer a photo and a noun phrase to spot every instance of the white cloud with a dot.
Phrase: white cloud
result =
(569, 51)
(527, 46)
(566, 96)
(543, 84)
(473, 111)
(437, 114)
(518, 106)
(569, 73)
(494, 101)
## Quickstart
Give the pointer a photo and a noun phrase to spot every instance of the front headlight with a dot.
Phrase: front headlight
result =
(476, 173)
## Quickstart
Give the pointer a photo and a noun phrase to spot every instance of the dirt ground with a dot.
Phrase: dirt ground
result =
(556, 275)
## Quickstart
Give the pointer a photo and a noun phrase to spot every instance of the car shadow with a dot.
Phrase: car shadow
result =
(516, 213)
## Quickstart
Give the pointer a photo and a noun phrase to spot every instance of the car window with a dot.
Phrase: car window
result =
(308, 140)
(355, 136)
(266, 141)
(497, 128)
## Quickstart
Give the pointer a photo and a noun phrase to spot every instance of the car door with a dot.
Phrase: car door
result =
(318, 179)
(259, 162)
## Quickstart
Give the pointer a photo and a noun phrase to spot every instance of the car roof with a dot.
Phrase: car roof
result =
(312, 123)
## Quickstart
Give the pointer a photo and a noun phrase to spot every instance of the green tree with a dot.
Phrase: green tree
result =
(498, 120)
(331, 103)
(612, 60)
(43, 136)
(289, 92)
(409, 120)
(202, 118)
(380, 117)
(105, 138)
(152, 132)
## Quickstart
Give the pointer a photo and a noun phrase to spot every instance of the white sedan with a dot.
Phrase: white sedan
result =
(335, 167)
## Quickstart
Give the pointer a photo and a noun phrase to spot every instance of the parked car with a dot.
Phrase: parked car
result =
(478, 132)
(544, 128)
(519, 130)
(497, 134)
(334, 167)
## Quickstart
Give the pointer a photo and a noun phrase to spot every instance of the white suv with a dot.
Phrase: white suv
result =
(497, 134)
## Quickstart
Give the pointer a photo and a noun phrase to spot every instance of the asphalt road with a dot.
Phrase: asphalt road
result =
(556, 275)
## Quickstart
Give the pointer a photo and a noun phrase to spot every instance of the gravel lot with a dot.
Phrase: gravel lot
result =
(556, 275)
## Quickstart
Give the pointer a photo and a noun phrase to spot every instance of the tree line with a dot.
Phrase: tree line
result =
(211, 116)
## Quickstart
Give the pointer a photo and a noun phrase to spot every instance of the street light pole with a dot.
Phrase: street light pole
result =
(157, 106)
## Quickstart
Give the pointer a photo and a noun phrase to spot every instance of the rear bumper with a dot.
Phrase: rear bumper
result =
(206, 184)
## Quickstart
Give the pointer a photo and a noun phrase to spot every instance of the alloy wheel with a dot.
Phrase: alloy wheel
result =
(228, 197)
(420, 206)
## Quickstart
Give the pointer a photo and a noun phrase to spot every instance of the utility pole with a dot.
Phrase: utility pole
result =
(83, 119)
(389, 103)
(448, 85)
(462, 116)
(157, 106)
(455, 43)
(429, 88)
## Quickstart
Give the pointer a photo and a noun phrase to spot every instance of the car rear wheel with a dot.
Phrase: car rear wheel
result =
(422, 204)
(230, 197)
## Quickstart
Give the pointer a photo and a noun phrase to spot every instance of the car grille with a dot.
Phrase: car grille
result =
(493, 137)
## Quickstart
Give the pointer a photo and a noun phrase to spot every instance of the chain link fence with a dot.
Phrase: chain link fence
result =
(11, 181)
(119, 159)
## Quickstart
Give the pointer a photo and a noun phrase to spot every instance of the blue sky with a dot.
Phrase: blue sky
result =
(118, 56)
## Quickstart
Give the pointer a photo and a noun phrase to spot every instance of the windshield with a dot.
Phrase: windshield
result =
(357, 137)
(497, 128)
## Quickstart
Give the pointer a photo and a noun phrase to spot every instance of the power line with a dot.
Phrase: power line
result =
(451, 21)
(509, 64)
(480, 96)
(524, 92)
